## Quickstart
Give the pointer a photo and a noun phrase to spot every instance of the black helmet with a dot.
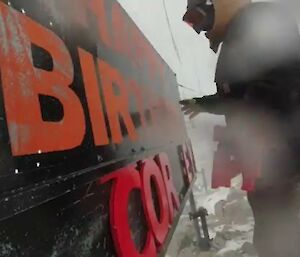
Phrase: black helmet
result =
(200, 15)
(212, 16)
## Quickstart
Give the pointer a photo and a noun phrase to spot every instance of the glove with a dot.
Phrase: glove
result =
(190, 107)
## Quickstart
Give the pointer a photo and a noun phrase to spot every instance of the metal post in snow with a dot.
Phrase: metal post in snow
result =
(195, 221)
(204, 180)
(203, 242)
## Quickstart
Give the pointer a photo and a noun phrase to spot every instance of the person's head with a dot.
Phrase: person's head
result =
(213, 17)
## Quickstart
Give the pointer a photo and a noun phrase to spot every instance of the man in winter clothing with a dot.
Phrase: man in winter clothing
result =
(258, 91)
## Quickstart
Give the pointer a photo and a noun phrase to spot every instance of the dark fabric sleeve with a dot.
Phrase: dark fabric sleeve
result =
(216, 104)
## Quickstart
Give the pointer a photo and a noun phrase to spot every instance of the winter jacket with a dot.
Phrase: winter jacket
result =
(258, 91)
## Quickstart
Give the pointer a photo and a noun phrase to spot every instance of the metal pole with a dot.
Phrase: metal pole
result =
(203, 242)
(204, 180)
(205, 228)
(195, 221)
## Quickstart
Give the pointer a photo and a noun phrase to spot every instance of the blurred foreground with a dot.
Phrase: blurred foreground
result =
(230, 219)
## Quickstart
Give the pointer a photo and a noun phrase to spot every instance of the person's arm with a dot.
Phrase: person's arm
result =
(213, 104)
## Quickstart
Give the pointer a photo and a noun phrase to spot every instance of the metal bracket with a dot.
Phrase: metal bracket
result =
(204, 242)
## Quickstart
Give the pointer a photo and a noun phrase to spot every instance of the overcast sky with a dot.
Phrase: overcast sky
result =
(196, 63)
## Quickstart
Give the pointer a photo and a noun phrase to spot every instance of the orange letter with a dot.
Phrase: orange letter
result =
(117, 105)
(23, 84)
(93, 98)
(137, 93)
(98, 7)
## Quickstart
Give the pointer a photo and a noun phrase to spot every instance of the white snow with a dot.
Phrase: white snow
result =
(217, 196)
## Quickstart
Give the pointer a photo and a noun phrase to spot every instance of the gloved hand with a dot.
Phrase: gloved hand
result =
(190, 107)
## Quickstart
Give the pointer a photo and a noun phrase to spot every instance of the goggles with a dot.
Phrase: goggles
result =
(199, 17)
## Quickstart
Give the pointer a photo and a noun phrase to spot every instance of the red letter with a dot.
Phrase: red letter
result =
(124, 181)
(117, 105)
(187, 163)
(159, 225)
(23, 83)
(93, 98)
(173, 200)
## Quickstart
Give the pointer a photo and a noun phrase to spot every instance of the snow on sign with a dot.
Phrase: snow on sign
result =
(95, 160)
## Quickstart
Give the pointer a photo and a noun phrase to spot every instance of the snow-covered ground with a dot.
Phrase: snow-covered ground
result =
(230, 218)
(230, 224)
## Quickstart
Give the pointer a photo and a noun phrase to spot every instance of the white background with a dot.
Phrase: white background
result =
(196, 63)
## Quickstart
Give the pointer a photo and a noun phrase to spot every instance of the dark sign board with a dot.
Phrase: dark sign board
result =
(95, 160)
